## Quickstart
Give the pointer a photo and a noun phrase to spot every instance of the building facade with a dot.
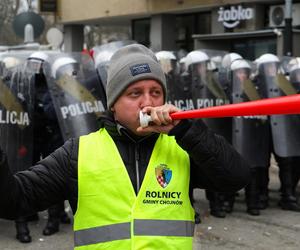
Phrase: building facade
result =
(249, 28)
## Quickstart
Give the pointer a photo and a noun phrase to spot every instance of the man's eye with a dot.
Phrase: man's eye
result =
(134, 93)
(156, 93)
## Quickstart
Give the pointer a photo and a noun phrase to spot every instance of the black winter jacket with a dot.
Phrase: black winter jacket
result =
(215, 165)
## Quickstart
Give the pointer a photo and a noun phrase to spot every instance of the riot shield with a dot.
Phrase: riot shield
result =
(182, 87)
(250, 134)
(16, 112)
(78, 96)
(207, 91)
(182, 92)
(178, 81)
(285, 128)
(170, 67)
(102, 55)
(293, 70)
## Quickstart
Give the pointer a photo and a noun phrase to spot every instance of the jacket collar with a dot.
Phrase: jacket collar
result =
(118, 131)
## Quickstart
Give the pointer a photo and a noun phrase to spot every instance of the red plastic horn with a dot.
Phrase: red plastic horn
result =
(272, 106)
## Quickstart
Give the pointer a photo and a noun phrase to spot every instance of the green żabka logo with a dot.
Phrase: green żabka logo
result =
(163, 175)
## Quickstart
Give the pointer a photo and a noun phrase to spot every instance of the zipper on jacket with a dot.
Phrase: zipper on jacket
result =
(137, 157)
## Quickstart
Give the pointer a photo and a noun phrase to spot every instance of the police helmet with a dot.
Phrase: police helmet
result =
(7, 65)
(11, 61)
(294, 70)
(164, 55)
(167, 61)
(39, 55)
(239, 64)
(196, 57)
(294, 64)
(62, 62)
(229, 58)
(35, 61)
(267, 58)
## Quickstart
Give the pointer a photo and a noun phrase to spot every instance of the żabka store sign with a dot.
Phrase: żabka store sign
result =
(231, 17)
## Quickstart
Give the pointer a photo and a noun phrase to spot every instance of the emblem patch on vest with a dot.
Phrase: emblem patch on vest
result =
(163, 175)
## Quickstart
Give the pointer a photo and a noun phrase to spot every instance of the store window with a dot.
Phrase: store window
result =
(203, 23)
(141, 31)
(189, 24)
(185, 25)
(253, 48)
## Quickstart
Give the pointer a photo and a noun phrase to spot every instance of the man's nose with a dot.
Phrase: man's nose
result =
(146, 100)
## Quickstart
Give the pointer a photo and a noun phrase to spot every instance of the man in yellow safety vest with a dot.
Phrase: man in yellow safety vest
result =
(128, 186)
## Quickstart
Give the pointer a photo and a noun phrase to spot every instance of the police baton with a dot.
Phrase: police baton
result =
(285, 105)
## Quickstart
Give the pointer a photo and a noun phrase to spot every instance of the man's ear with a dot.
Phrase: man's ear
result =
(112, 109)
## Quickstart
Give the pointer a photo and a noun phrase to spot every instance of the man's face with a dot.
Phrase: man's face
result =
(271, 69)
(137, 96)
(202, 68)
(34, 66)
(241, 74)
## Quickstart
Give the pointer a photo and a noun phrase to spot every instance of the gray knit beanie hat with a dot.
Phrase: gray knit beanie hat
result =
(130, 64)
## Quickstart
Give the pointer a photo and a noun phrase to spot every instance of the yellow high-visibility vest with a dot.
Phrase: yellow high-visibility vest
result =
(109, 213)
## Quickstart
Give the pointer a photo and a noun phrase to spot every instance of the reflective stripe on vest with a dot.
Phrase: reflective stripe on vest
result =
(141, 227)
(164, 227)
(102, 234)
(111, 216)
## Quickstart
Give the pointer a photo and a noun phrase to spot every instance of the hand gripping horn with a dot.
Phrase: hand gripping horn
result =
(285, 105)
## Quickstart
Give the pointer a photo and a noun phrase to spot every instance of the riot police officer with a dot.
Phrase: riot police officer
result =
(11, 77)
(78, 96)
(294, 77)
(169, 65)
(207, 91)
(250, 133)
(224, 70)
(46, 131)
(225, 80)
(168, 62)
(284, 130)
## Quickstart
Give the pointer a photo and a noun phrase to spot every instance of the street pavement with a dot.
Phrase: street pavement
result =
(63, 240)
(273, 229)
